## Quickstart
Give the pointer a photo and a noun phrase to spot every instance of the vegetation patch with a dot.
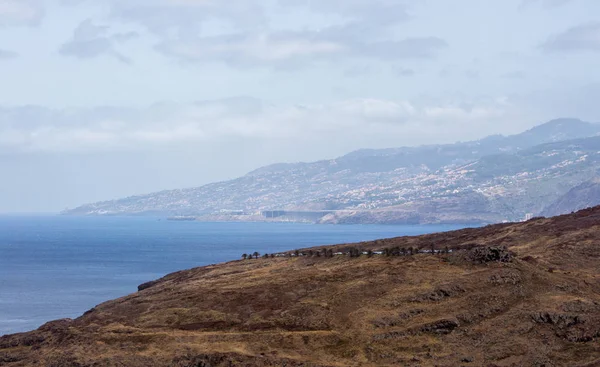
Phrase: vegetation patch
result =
(488, 254)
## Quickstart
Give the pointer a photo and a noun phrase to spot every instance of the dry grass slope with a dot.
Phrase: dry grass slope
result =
(541, 308)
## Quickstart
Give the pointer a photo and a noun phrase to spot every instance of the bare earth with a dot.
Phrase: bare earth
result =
(540, 307)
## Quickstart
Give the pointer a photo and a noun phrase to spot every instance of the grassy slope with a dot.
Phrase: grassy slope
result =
(543, 308)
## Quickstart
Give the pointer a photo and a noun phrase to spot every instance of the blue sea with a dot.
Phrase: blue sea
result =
(54, 267)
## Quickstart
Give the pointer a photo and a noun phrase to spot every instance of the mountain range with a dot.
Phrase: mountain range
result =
(498, 178)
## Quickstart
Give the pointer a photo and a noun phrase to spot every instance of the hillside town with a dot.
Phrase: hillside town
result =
(491, 189)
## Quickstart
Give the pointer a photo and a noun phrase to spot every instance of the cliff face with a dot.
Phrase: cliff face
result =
(525, 294)
(580, 197)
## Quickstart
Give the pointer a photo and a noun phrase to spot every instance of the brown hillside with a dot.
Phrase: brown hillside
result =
(538, 306)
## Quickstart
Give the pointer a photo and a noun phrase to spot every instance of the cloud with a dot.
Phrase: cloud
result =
(162, 16)
(359, 70)
(4, 54)
(247, 49)
(518, 74)
(471, 74)
(292, 49)
(20, 12)
(244, 33)
(188, 16)
(354, 123)
(401, 71)
(585, 37)
(384, 12)
(91, 41)
(546, 3)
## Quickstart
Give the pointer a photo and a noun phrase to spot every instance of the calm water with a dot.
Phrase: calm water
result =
(54, 267)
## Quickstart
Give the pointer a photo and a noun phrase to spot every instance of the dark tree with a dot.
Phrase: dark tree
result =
(244, 256)
(411, 250)
(311, 253)
(296, 253)
(272, 256)
(370, 253)
(433, 249)
(256, 254)
(447, 250)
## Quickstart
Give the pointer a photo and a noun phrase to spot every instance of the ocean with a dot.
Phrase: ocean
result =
(54, 267)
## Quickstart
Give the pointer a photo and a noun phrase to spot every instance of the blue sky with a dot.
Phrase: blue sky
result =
(102, 99)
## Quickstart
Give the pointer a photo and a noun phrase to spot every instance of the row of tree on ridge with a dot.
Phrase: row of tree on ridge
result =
(351, 252)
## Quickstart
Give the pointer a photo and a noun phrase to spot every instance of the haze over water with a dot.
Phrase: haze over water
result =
(54, 267)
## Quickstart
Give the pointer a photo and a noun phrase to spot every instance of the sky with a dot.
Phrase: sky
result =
(104, 99)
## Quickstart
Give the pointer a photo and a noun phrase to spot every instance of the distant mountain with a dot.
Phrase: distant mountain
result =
(438, 156)
(584, 196)
(493, 179)
(554, 131)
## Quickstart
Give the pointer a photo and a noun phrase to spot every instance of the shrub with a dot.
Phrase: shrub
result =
(488, 254)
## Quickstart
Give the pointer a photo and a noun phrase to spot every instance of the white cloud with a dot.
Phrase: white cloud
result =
(402, 71)
(585, 37)
(91, 41)
(291, 49)
(245, 33)
(164, 16)
(353, 123)
(547, 3)
(20, 12)
(244, 49)
(5, 54)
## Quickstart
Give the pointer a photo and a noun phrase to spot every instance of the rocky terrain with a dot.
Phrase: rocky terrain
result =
(491, 180)
(524, 294)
